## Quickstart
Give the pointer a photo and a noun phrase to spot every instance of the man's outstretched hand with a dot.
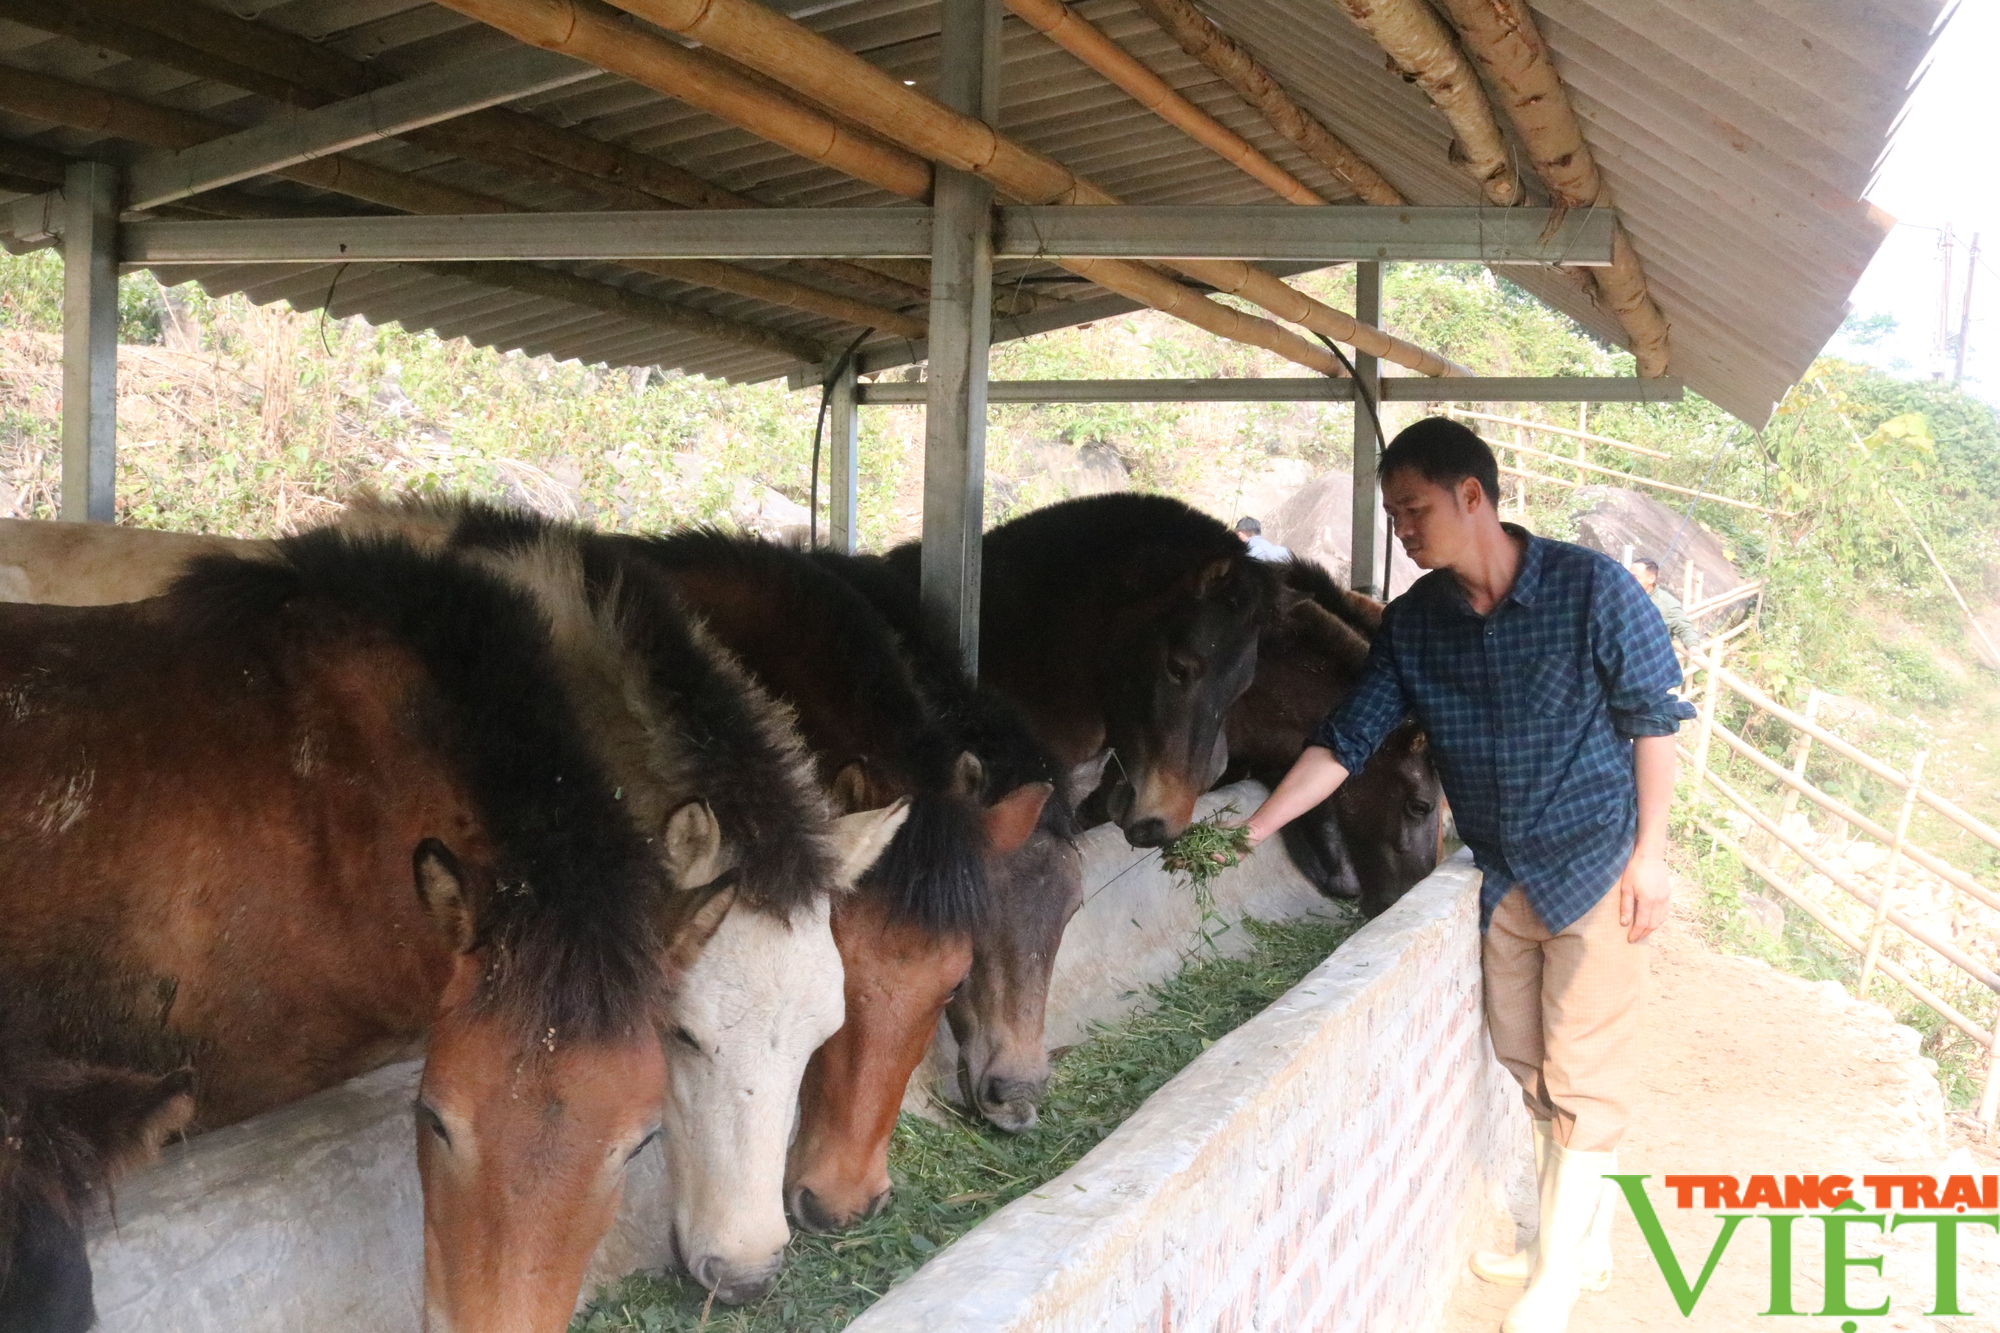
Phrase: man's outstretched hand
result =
(1644, 891)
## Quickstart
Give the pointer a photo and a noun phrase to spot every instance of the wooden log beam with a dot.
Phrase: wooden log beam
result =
(1503, 39)
(43, 98)
(1413, 37)
(1221, 53)
(781, 49)
(1084, 40)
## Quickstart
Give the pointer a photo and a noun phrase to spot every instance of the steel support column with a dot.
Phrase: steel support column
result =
(960, 328)
(1366, 554)
(90, 340)
(843, 473)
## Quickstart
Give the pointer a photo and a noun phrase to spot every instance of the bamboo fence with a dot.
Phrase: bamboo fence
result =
(1887, 892)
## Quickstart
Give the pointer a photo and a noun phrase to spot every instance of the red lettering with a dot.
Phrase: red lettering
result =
(1919, 1192)
(1835, 1190)
(1960, 1192)
(1884, 1187)
(1684, 1188)
(1762, 1192)
(1720, 1192)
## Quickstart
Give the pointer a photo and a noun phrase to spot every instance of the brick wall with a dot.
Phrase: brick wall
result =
(1326, 1166)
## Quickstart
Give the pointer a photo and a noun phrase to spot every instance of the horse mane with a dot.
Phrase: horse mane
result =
(570, 919)
(710, 731)
(1315, 582)
(986, 723)
(932, 875)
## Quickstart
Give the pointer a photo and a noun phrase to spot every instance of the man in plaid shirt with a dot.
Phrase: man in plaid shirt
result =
(1545, 681)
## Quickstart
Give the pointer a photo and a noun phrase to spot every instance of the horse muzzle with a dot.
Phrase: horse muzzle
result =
(734, 1284)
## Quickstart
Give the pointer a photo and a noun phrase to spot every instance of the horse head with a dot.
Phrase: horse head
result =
(544, 1077)
(1177, 660)
(1388, 816)
(765, 994)
(67, 1130)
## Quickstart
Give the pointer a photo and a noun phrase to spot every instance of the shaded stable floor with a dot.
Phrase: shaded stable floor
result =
(1756, 1071)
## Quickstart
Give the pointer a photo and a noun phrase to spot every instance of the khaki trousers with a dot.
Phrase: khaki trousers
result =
(1563, 1010)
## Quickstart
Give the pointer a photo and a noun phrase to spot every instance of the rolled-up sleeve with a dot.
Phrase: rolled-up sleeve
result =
(1635, 658)
(1356, 729)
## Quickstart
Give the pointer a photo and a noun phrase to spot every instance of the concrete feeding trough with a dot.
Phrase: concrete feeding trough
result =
(1285, 1158)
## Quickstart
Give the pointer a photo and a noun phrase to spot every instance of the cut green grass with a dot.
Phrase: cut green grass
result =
(950, 1176)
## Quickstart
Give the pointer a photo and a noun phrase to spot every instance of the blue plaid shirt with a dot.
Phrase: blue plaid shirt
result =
(1531, 711)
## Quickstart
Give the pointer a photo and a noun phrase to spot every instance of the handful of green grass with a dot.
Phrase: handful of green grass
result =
(1208, 848)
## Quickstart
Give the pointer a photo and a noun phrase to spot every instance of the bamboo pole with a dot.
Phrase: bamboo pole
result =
(781, 49)
(1941, 1006)
(1422, 48)
(1578, 434)
(1643, 481)
(1526, 475)
(1950, 810)
(1084, 40)
(1711, 691)
(1709, 605)
(1220, 52)
(1790, 800)
(1989, 1096)
(1889, 875)
(1502, 38)
(1944, 948)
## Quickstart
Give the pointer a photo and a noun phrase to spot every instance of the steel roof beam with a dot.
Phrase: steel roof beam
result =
(1317, 235)
(294, 137)
(1414, 389)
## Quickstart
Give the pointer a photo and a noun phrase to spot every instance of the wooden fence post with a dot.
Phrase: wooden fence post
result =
(1790, 801)
(1989, 1097)
(1889, 875)
(1708, 700)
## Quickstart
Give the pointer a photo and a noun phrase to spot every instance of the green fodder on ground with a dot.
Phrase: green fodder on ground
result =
(950, 1176)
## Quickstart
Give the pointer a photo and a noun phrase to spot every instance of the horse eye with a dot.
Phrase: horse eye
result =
(1418, 809)
(1181, 670)
(687, 1039)
(642, 1145)
(428, 1117)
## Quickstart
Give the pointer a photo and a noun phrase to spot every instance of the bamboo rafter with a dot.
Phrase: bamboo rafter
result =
(781, 49)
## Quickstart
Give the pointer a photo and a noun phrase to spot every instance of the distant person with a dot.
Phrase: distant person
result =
(1546, 693)
(1671, 610)
(1252, 534)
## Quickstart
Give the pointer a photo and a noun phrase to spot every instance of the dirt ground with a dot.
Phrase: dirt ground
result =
(1756, 1071)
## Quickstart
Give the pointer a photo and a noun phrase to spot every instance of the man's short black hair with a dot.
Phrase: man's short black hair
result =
(1250, 525)
(1650, 566)
(1444, 453)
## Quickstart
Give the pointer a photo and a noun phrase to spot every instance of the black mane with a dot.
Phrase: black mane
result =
(983, 721)
(1315, 582)
(571, 919)
(932, 875)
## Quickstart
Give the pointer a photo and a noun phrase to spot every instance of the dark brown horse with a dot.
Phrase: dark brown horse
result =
(298, 814)
(906, 934)
(997, 1016)
(68, 1129)
(1378, 835)
(1127, 621)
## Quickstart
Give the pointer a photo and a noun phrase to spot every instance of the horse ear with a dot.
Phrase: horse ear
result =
(968, 775)
(126, 1116)
(691, 936)
(693, 844)
(441, 890)
(1211, 576)
(1013, 817)
(850, 789)
(859, 839)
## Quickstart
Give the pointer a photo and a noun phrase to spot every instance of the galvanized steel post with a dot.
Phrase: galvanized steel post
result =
(843, 472)
(90, 340)
(960, 328)
(1363, 575)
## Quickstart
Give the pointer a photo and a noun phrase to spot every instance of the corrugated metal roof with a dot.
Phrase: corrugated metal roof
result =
(1738, 135)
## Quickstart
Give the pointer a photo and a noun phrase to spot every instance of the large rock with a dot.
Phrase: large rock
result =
(1317, 523)
(1617, 519)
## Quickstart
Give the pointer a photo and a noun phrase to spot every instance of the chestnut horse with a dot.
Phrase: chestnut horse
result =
(68, 1129)
(906, 935)
(293, 816)
(997, 1017)
(1127, 621)
(1378, 835)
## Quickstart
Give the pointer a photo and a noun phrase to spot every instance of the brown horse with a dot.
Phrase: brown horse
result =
(68, 1129)
(293, 816)
(997, 1017)
(906, 935)
(1378, 835)
(1127, 621)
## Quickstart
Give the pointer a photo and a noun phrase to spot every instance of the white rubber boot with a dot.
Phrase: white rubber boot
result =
(1572, 1190)
(1512, 1270)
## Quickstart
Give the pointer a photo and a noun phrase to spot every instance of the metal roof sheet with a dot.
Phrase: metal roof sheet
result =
(1739, 137)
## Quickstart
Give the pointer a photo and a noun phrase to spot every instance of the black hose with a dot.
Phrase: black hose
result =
(819, 425)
